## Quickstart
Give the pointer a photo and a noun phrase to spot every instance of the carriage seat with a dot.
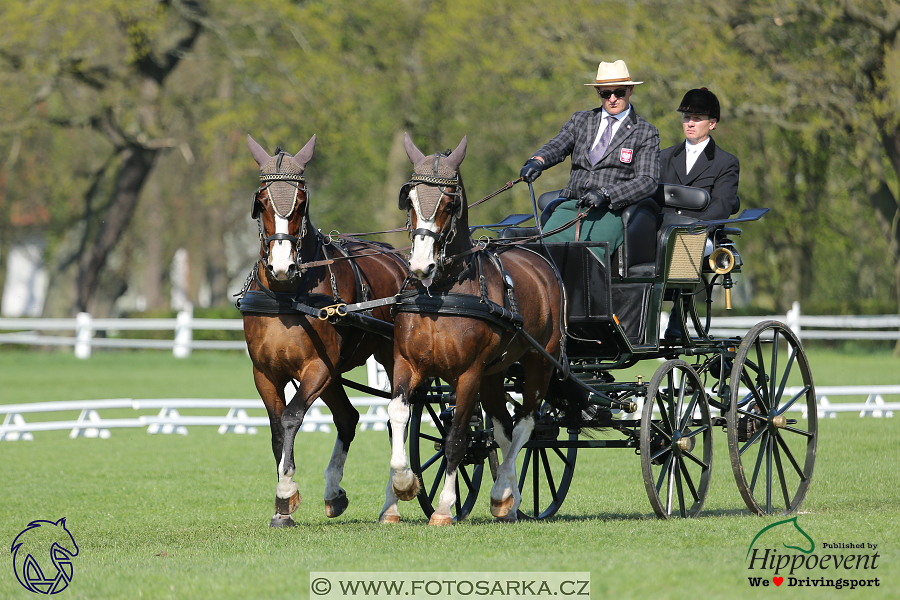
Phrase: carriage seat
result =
(639, 220)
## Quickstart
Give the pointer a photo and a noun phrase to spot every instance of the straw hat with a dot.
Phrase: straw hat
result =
(614, 73)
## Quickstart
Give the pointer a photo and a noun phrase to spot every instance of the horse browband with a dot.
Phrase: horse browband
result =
(283, 177)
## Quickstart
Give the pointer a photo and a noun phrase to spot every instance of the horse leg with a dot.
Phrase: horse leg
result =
(346, 418)
(455, 444)
(505, 496)
(404, 482)
(273, 397)
(287, 494)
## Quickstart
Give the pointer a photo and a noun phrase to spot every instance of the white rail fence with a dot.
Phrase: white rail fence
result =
(90, 423)
(81, 332)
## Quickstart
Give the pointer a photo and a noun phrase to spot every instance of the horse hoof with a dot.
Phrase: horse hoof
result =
(335, 508)
(287, 506)
(502, 508)
(385, 518)
(510, 518)
(408, 494)
(441, 520)
(279, 521)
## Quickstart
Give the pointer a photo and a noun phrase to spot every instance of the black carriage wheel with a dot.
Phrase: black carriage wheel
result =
(772, 447)
(427, 432)
(676, 444)
(545, 471)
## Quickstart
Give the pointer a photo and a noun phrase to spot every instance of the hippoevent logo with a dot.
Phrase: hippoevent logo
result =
(42, 556)
(783, 554)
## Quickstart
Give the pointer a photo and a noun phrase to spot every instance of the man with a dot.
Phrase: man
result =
(615, 160)
(698, 162)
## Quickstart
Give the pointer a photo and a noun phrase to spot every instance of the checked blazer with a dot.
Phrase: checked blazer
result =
(716, 171)
(630, 168)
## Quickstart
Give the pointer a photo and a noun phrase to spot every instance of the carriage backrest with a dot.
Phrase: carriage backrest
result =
(670, 195)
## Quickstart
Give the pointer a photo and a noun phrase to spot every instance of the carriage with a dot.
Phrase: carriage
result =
(316, 306)
(758, 388)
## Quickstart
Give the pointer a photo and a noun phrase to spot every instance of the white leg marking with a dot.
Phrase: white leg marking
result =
(506, 484)
(286, 487)
(398, 412)
(448, 494)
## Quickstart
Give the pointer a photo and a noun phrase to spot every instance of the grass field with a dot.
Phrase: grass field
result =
(187, 516)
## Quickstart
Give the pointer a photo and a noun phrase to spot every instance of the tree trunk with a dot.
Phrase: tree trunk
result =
(136, 165)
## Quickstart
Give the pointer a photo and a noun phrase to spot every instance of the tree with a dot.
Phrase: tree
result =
(110, 87)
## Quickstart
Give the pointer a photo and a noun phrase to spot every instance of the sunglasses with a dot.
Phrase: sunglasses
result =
(620, 93)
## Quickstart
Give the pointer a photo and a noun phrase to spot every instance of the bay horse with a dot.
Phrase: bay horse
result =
(289, 335)
(455, 329)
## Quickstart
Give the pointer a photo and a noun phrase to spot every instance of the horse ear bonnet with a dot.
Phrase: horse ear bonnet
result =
(282, 193)
(429, 196)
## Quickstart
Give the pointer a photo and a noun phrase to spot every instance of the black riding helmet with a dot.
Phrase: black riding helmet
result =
(700, 101)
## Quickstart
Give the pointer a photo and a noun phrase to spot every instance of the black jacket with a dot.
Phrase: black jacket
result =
(716, 171)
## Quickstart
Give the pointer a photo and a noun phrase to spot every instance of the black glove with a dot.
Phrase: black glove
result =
(531, 170)
(594, 198)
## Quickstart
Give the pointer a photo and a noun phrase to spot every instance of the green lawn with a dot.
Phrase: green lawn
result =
(171, 516)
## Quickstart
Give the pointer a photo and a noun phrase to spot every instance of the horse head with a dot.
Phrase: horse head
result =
(435, 202)
(281, 209)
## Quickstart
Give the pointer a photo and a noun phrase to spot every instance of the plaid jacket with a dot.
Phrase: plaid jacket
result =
(629, 169)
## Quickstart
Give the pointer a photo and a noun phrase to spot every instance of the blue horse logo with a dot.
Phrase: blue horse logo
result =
(36, 541)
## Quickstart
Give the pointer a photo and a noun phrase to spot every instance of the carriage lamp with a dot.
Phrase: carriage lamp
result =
(722, 261)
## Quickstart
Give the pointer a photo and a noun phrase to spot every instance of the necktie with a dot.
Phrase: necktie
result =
(599, 149)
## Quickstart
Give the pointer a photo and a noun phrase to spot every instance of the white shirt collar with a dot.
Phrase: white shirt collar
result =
(619, 116)
(696, 148)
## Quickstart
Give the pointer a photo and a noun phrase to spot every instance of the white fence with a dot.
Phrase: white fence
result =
(82, 330)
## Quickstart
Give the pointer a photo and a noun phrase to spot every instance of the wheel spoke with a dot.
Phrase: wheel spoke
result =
(784, 408)
(660, 431)
(438, 480)
(466, 479)
(525, 461)
(550, 482)
(787, 373)
(807, 434)
(535, 483)
(699, 462)
(430, 438)
(689, 481)
(774, 369)
(688, 414)
(436, 420)
(781, 478)
(562, 457)
(752, 440)
(759, 458)
(761, 375)
(662, 474)
(677, 468)
(431, 461)
(790, 457)
(660, 453)
(769, 475)
(663, 411)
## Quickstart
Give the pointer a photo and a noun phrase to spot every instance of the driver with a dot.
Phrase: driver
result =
(615, 160)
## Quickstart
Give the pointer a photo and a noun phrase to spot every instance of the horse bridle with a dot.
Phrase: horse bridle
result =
(256, 208)
(444, 237)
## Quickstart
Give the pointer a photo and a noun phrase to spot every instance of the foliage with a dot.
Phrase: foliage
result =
(808, 89)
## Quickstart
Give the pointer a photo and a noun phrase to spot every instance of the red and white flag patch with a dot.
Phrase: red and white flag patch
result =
(626, 155)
